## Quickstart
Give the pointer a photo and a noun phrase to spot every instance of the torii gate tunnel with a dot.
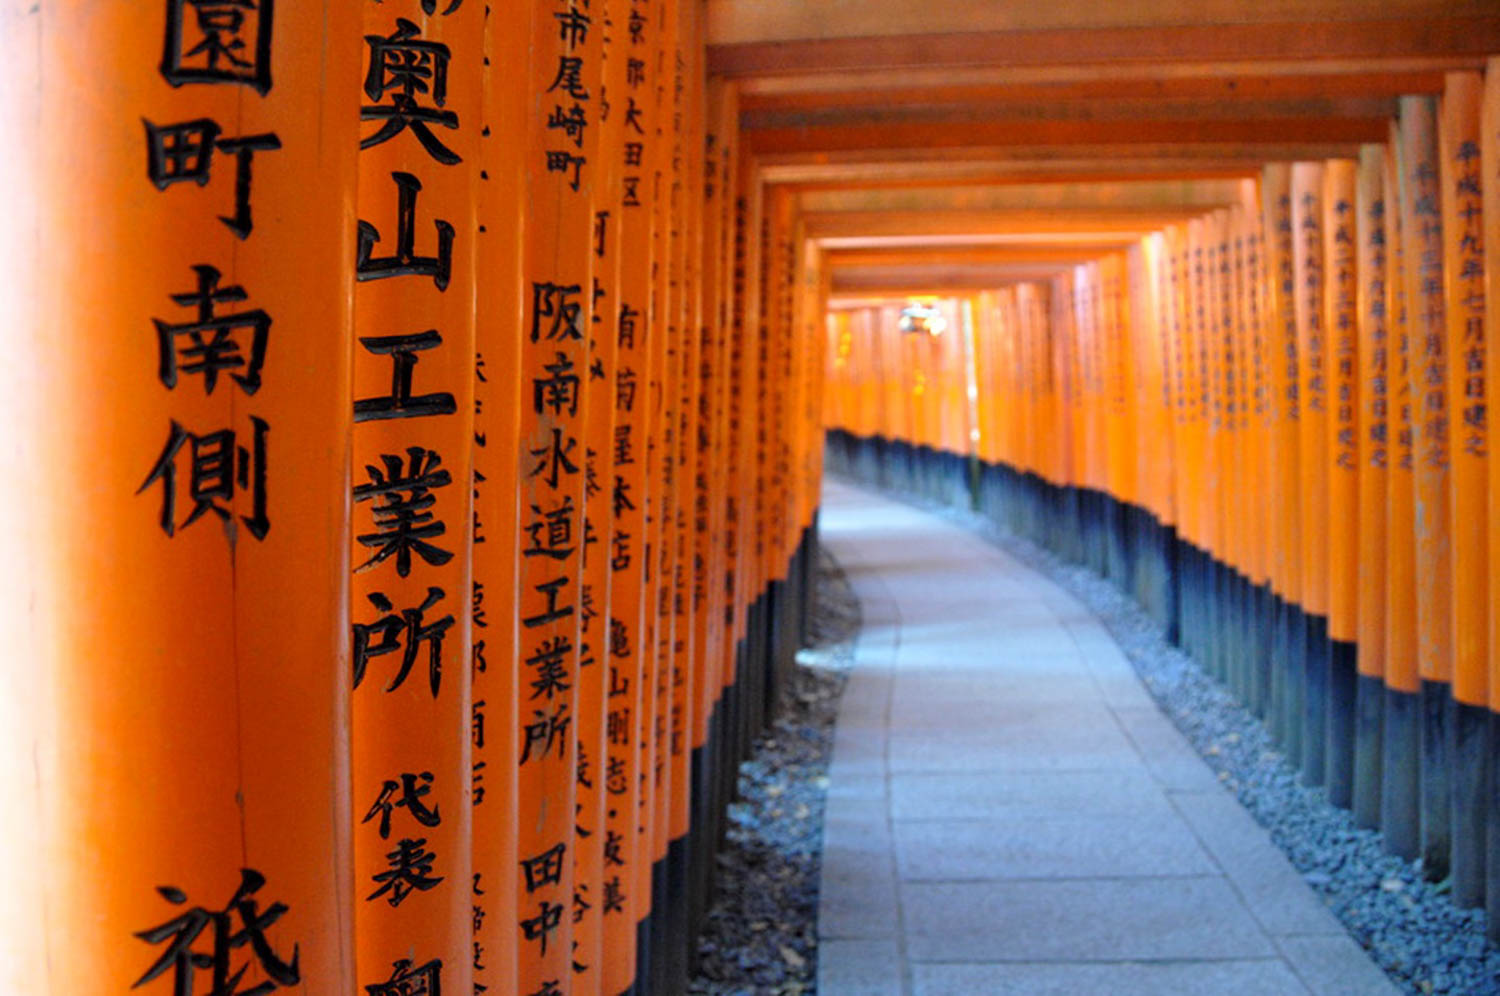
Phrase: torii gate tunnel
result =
(415, 413)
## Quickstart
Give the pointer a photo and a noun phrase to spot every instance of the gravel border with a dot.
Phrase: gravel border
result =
(1412, 930)
(761, 933)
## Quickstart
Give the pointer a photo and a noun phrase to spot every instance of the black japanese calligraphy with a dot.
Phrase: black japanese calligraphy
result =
(181, 933)
(401, 403)
(406, 68)
(218, 41)
(403, 499)
(216, 468)
(405, 261)
(406, 632)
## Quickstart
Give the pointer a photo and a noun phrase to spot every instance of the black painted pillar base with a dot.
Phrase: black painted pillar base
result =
(1338, 743)
(1492, 829)
(1471, 763)
(1296, 685)
(1400, 764)
(1369, 717)
(676, 936)
(1436, 779)
(643, 980)
(657, 940)
(1315, 700)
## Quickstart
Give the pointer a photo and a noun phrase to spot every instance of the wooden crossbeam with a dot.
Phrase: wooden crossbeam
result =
(1059, 133)
(1093, 109)
(1372, 39)
(886, 90)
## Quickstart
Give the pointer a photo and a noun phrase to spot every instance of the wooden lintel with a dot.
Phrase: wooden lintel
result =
(824, 225)
(1091, 74)
(1146, 86)
(1064, 133)
(972, 255)
(952, 114)
(1311, 40)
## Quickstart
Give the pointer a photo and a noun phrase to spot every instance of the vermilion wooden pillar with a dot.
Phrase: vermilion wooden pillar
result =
(1341, 450)
(498, 396)
(1374, 455)
(1309, 223)
(1401, 734)
(1489, 150)
(1468, 481)
(414, 787)
(560, 139)
(1288, 640)
(1422, 239)
(625, 889)
(178, 412)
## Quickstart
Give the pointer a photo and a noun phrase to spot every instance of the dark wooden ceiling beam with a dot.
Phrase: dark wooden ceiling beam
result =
(1059, 133)
(1371, 39)
(879, 92)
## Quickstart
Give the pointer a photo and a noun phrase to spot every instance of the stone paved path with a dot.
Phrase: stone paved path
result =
(1008, 812)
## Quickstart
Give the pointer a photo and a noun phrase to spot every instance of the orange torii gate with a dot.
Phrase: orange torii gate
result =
(413, 470)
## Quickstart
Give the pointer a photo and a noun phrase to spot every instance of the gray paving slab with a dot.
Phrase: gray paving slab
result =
(1024, 794)
(1084, 845)
(1268, 977)
(1008, 812)
(859, 968)
(1333, 965)
(1271, 888)
(1079, 920)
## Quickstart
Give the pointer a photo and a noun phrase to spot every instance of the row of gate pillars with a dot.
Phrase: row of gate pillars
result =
(413, 446)
(1268, 425)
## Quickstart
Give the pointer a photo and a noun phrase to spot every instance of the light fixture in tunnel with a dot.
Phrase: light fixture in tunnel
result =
(918, 318)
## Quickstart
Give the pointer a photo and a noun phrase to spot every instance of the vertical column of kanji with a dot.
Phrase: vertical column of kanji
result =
(1088, 335)
(1122, 420)
(413, 445)
(773, 508)
(1252, 502)
(664, 390)
(1162, 465)
(1196, 378)
(1200, 346)
(703, 537)
(1130, 373)
(1175, 333)
(1222, 541)
(498, 397)
(1230, 526)
(1372, 453)
(1256, 419)
(1307, 298)
(1489, 155)
(1463, 270)
(625, 895)
(636, 394)
(710, 592)
(599, 675)
(177, 408)
(1340, 321)
(682, 302)
(1288, 640)
(1401, 727)
(821, 292)
(724, 579)
(1233, 522)
(1422, 231)
(749, 341)
(561, 132)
